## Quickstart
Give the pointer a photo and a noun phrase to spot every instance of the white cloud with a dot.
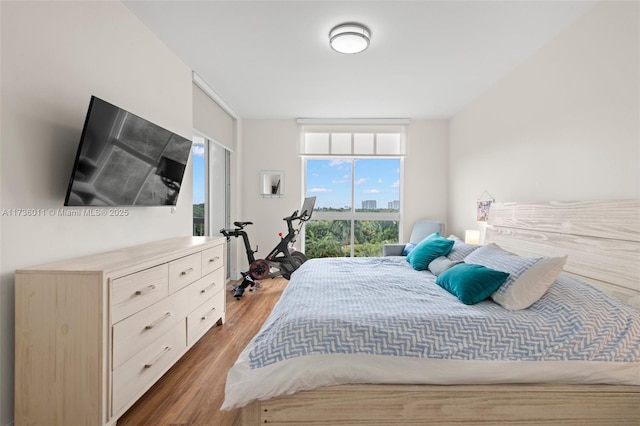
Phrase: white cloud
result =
(396, 184)
(320, 190)
(371, 191)
(379, 180)
(339, 181)
(198, 150)
(334, 163)
(361, 181)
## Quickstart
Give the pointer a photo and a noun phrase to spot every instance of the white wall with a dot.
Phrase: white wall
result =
(267, 145)
(55, 55)
(426, 186)
(273, 145)
(564, 125)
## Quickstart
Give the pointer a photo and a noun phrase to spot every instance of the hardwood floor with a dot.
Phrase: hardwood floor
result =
(192, 391)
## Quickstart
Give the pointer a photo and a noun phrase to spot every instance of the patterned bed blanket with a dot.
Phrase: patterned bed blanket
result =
(381, 309)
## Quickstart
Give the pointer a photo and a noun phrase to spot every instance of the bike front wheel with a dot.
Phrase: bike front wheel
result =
(259, 270)
(298, 258)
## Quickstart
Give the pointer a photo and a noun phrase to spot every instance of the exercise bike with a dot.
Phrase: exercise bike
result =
(283, 260)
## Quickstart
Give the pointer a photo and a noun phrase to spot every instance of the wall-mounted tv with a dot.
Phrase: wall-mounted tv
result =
(125, 160)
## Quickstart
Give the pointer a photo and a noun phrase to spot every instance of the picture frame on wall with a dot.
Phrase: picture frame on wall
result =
(484, 206)
(482, 212)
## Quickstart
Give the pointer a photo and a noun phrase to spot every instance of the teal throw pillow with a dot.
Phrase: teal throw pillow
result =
(470, 283)
(427, 238)
(427, 250)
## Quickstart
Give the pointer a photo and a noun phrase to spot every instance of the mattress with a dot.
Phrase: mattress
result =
(376, 320)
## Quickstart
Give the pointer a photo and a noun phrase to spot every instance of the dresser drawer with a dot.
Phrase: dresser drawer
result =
(212, 259)
(139, 372)
(204, 317)
(206, 287)
(184, 271)
(134, 292)
(134, 333)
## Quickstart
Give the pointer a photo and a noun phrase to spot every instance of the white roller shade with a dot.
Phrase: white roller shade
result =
(211, 120)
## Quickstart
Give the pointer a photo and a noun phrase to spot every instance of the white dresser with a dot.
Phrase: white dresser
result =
(94, 333)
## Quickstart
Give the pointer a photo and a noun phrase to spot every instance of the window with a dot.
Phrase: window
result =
(199, 185)
(210, 187)
(355, 177)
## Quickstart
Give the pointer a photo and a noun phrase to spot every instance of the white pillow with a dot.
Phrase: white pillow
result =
(460, 249)
(494, 257)
(529, 287)
(441, 264)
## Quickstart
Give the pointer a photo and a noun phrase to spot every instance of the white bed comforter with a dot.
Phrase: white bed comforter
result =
(376, 320)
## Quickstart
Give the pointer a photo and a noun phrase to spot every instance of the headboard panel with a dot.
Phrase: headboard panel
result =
(601, 239)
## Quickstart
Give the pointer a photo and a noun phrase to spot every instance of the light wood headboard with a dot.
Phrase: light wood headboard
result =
(601, 239)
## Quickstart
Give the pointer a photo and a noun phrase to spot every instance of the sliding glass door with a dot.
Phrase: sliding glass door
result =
(210, 187)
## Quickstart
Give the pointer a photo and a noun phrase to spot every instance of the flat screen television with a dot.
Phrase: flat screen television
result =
(125, 160)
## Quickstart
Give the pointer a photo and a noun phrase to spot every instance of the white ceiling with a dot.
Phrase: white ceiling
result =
(427, 59)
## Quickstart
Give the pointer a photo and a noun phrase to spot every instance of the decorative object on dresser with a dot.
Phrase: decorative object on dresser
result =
(94, 333)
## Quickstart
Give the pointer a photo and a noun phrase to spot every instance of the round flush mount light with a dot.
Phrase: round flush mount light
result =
(349, 38)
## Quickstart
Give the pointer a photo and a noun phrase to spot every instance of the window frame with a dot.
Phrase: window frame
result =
(352, 216)
(354, 127)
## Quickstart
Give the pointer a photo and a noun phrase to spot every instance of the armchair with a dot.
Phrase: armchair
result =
(421, 229)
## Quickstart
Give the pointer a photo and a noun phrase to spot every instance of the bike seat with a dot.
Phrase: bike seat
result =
(242, 224)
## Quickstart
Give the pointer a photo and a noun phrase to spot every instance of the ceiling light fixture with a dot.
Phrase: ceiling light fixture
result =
(349, 38)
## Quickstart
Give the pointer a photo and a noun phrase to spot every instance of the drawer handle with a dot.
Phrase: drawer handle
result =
(157, 358)
(204, 290)
(214, 259)
(188, 271)
(158, 321)
(204, 318)
(145, 290)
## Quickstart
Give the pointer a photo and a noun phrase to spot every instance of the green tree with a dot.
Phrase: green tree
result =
(198, 219)
(332, 238)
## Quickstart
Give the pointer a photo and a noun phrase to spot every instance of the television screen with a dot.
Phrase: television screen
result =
(125, 160)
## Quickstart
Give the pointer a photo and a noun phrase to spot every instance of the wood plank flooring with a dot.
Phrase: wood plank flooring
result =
(192, 391)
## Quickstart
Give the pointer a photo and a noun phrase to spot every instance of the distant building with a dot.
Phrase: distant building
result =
(394, 205)
(369, 205)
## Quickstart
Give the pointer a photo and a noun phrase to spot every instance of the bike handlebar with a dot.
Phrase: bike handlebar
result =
(294, 216)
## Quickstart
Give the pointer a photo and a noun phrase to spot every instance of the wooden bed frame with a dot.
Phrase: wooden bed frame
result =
(602, 241)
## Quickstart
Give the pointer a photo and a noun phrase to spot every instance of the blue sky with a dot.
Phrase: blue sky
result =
(198, 174)
(330, 180)
(375, 179)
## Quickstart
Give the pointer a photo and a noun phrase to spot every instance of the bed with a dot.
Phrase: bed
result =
(403, 364)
